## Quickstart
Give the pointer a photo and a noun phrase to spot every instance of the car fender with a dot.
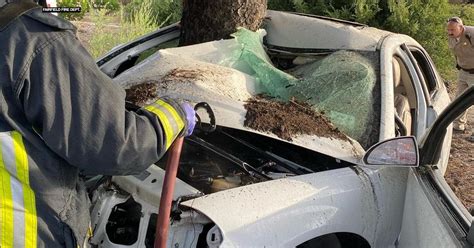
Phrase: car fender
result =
(290, 211)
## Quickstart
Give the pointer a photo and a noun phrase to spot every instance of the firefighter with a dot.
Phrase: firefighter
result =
(61, 116)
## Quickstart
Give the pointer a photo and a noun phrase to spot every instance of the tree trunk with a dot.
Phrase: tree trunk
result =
(208, 20)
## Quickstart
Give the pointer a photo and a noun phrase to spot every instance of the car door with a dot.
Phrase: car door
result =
(433, 216)
(434, 91)
(419, 94)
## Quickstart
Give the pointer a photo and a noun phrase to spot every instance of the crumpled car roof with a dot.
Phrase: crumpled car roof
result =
(304, 32)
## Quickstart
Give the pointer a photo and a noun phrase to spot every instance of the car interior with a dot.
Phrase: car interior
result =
(404, 98)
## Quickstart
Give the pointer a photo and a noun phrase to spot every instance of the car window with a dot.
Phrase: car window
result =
(345, 87)
(426, 67)
(147, 53)
(419, 74)
(405, 99)
(414, 90)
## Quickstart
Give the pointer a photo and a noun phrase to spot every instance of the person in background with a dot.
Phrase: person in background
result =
(61, 116)
(461, 43)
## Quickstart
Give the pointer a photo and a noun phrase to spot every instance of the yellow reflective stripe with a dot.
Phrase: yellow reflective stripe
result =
(21, 160)
(22, 169)
(173, 112)
(30, 217)
(18, 221)
(6, 206)
(165, 122)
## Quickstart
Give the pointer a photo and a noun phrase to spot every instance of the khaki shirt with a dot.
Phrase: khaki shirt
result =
(464, 48)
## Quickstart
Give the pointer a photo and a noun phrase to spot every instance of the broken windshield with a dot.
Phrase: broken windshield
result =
(340, 87)
(343, 86)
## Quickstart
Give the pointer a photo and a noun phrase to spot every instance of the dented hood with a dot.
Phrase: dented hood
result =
(196, 74)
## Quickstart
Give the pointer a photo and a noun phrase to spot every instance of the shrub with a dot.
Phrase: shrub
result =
(110, 5)
(142, 21)
(365, 11)
(84, 4)
(425, 21)
(165, 11)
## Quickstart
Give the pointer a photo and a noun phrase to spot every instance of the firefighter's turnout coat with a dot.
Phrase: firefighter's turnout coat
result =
(61, 116)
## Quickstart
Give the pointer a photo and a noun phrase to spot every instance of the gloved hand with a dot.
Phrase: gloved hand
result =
(190, 118)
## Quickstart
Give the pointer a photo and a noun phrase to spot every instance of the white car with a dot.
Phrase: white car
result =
(382, 186)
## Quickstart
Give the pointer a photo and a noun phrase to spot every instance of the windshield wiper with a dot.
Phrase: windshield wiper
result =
(290, 165)
(244, 165)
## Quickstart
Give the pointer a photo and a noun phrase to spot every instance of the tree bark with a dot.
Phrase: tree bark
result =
(208, 20)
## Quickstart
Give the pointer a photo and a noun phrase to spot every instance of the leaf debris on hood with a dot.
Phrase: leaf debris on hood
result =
(140, 94)
(288, 119)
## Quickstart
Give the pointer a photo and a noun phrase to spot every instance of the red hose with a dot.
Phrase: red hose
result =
(163, 219)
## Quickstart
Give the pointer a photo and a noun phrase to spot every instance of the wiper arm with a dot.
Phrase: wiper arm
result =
(290, 165)
(245, 166)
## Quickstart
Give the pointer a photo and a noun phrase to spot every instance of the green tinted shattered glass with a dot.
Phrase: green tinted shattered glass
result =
(340, 85)
(253, 60)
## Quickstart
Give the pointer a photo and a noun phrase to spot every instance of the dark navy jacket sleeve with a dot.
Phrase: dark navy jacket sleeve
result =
(80, 113)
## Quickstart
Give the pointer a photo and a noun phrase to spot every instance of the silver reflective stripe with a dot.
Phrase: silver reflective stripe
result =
(18, 213)
(18, 221)
(8, 154)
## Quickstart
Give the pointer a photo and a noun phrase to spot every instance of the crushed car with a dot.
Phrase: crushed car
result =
(328, 133)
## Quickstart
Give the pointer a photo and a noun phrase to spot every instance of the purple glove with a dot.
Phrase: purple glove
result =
(190, 118)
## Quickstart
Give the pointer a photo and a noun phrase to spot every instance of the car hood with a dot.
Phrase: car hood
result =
(231, 113)
(201, 73)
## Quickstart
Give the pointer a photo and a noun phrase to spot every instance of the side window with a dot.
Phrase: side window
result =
(417, 91)
(426, 68)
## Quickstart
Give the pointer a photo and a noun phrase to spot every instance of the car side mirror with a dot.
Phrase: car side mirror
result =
(399, 151)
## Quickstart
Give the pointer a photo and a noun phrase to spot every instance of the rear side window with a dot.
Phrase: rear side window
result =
(426, 67)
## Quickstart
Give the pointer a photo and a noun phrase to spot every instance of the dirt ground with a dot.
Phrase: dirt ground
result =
(460, 172)
(84, 32)
(86, 28)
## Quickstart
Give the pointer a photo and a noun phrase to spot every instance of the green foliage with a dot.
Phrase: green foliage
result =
(110, 5)
(142, 21)
(344, 12)
(365, 10)
(465, 11)
(284, 5)
(84, 4)
(425, 21)
(165, 11)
